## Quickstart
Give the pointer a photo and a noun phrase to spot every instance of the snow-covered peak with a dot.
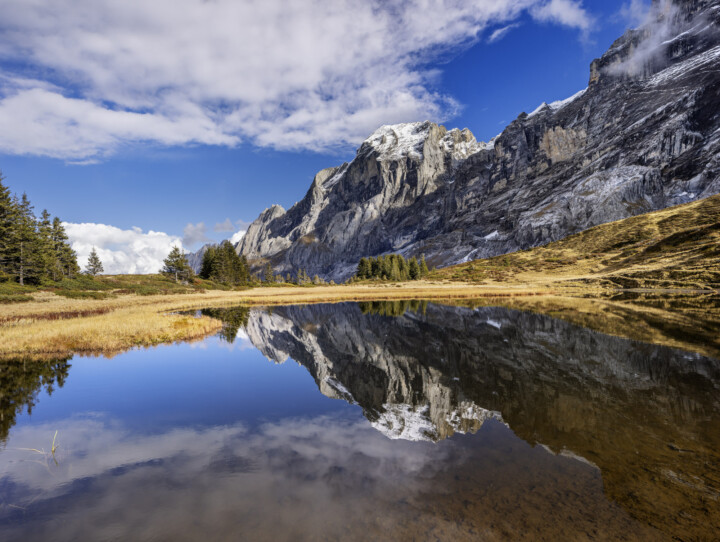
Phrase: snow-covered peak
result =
(556, 106)
(461, 144)
(396, 141)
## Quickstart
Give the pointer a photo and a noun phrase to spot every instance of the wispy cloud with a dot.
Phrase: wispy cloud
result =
(565, 12)
(500, 33)
(288, 75)
(194, 234)
(226, 226)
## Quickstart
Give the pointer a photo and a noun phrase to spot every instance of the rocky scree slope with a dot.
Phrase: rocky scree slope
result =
(643, 136)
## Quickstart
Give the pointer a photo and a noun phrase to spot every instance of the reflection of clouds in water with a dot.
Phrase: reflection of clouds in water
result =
(281, 478)
(241, 342)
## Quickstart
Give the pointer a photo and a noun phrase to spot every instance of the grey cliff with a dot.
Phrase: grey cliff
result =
(643, 136)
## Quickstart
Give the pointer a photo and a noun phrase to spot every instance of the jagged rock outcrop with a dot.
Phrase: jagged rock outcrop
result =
(644, 135)
(648, 416)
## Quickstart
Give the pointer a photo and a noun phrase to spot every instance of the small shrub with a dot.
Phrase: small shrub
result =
(17, 298)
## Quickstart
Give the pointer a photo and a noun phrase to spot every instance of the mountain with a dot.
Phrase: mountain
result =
(647, 416)
(644, 135)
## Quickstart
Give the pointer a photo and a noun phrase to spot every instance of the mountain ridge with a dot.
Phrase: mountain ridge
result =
(643, 136)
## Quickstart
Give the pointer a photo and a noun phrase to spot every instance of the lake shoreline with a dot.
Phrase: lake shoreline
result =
(51, 325)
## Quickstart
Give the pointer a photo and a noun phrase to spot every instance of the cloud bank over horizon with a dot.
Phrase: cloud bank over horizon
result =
(132, 251)
(80, 79)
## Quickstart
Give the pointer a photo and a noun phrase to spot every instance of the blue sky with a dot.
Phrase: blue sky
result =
(189, 118)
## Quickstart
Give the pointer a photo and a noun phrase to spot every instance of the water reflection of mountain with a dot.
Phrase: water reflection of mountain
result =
(647, 416)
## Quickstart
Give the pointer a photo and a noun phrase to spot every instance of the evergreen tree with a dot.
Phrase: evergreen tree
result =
(6, 225)
(423, 267)
(47, 249)
(27, 245)
(413, 269)
(65, 257)
(24, 242)
(207, 262)
(222, 264)
(363, 270)
(94, 265)
(269, 276)
(395, 271)
(176, 266)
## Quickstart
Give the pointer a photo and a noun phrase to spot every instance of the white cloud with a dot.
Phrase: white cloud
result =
(635, 12)
(566, 12)
(195, 233)
(121, 251)
(237, 236)
(279, 73)
(500, 33)
(226, 226)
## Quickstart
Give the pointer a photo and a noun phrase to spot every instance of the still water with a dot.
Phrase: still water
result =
(369, 421)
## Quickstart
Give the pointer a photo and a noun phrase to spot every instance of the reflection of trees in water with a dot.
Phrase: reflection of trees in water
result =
(393, 308)
(233, 319)
(20, 383)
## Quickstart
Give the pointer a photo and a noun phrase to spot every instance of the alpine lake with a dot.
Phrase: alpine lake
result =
(366, 421)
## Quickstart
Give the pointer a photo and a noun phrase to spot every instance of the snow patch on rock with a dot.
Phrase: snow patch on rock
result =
(396, 141)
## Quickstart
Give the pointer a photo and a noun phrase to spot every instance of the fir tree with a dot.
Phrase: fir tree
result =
(6, 225)
(176, 266)
(364, 270)
(94, 265)
(269, 276)
(65, 256)
(24, 242)
(423, 267)
(222, 264)
(47, 249)
(413, 269)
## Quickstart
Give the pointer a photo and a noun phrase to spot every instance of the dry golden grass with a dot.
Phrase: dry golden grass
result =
(678, 247)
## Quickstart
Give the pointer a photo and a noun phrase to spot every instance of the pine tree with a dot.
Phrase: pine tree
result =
(423, 267)
(65, 257)
(413, 269)
(269, 276)
(24, 242)
(222, 264)
(364, 270)
(94, 265)
(394, 268)
(47, 249)
(7, 214)
(176, 266)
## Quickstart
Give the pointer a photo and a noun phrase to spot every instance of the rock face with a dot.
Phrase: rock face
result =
(647, 416)
(644, 135)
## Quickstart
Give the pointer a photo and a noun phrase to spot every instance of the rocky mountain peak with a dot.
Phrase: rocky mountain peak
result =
(643, 136)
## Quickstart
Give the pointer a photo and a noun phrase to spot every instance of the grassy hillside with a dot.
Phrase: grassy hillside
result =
(678, 247)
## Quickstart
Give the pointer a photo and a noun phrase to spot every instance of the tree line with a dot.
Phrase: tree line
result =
(32, 249)
(222, 264)
(391, 267)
